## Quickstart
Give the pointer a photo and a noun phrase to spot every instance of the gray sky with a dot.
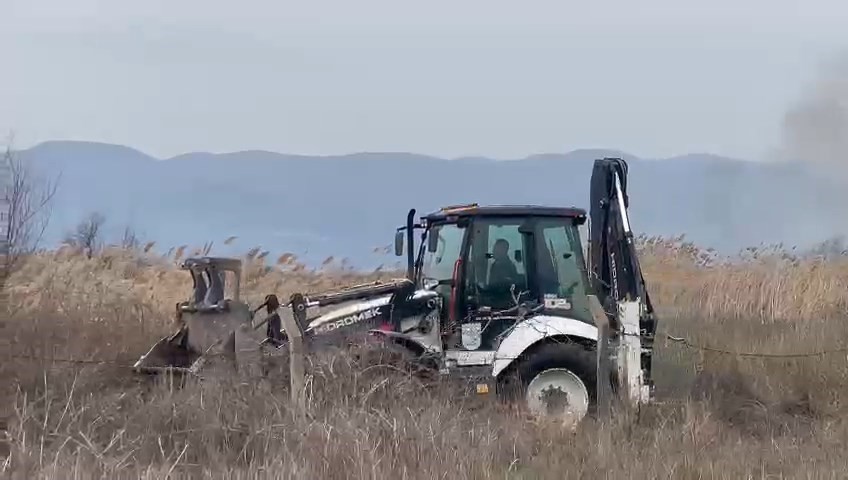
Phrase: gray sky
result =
(450, 78)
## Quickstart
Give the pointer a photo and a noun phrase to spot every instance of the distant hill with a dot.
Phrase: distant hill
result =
(348, 205)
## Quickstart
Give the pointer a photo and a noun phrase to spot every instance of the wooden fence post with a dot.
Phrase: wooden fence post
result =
(294, 319)
(603, 387)
(604, 371)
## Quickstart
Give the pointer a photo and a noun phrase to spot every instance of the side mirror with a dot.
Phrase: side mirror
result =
(518, 256)
(399, 243)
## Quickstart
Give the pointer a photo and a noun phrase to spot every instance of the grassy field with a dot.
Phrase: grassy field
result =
(721, 416)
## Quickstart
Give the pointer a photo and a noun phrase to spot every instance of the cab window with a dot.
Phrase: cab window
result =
(562, 272)
(497, 262)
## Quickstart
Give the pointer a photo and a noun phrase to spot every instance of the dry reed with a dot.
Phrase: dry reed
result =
(722, 416)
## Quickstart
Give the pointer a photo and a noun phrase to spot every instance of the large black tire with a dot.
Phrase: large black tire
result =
(578, 359)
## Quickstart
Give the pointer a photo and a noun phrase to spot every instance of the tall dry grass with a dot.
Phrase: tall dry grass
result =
(722, 416)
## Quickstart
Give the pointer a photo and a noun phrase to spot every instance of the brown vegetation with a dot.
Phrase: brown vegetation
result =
(721, 416)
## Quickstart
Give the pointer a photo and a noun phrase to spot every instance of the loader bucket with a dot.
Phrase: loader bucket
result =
(210, 327)
(204, 335)
(169, 353)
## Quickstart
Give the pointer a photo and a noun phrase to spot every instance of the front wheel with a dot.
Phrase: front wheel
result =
(556, 382)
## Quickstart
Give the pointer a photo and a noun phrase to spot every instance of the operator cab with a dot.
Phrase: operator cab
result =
(485, 261)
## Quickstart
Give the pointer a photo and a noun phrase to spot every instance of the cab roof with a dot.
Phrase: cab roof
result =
(475, 210)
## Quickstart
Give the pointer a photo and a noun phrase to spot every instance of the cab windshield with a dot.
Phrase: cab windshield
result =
(437, 263)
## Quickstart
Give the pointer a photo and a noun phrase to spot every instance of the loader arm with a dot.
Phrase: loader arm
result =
(304, 306)
(614, 269)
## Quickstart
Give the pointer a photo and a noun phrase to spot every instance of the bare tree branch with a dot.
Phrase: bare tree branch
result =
(28, 211)
(86, 235)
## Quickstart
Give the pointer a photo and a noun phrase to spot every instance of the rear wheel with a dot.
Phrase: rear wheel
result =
(556, 382)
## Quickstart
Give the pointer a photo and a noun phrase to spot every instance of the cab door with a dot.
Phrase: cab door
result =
(497, 276)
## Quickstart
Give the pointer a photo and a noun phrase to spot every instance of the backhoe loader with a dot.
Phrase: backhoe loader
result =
(503, 295)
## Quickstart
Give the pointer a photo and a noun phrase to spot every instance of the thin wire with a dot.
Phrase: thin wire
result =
(693, 345)
(679, 340)
(23, 356)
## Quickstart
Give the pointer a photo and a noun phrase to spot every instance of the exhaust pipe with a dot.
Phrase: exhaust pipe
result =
(410, 239)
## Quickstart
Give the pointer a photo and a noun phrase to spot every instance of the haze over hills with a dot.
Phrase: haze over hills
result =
(347, 205)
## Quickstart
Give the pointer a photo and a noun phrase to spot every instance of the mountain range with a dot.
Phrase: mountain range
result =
(348, 205)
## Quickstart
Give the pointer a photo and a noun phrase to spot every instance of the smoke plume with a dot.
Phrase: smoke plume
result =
(815, 139)
(815, 130)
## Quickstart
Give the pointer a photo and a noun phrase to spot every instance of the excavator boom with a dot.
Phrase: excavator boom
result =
(616, 276)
